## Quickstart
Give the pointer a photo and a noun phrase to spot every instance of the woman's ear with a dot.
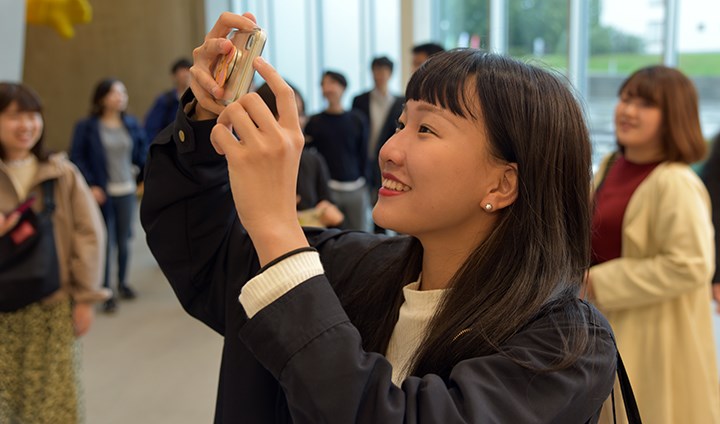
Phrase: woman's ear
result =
(505, 192)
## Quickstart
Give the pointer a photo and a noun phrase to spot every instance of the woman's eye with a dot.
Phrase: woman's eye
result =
(424, 129)
(399, 126)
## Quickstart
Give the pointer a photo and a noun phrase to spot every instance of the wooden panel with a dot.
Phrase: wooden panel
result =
(133, 40)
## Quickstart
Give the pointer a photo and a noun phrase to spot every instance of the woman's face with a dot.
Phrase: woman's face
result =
(19, 130)
(437, 170)
(116, 99)
(637, 123)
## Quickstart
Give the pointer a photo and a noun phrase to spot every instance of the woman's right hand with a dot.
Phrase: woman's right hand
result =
(98, 194)
(263, 156)
(202, 83)
(8, 222)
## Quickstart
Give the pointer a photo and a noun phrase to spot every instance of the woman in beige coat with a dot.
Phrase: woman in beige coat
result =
(653, 250)
(38, 372)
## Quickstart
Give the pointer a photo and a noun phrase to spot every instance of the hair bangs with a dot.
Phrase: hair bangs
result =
(24, 97)
(643, 84)
(28, 102)
(442, 81)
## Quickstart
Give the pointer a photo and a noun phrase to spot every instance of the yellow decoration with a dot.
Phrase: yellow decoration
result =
(59, 14)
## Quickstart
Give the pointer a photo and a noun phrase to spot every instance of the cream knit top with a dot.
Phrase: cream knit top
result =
(22, 172)
(411, 327)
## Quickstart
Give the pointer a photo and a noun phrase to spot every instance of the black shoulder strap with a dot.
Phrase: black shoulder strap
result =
(631, 408)
(48, 189)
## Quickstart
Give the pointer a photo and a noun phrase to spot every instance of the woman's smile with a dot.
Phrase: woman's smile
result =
(391, 186)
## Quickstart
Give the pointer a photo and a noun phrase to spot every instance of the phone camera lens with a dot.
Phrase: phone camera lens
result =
(250, 42)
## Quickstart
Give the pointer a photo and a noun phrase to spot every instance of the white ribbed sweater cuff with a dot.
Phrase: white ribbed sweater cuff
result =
(279, 279)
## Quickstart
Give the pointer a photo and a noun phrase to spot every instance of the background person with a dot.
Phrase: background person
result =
(711, 177)
(39, 381)
(403, 329)
(381, 110)
(341, 138)
(109, 148)
(652, 250)
(162, 113)
(421, 53)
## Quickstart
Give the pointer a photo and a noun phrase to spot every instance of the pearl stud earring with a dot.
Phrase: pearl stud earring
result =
(488, 207)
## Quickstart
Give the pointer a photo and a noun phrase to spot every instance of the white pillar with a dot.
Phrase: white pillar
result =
(670, 53)
(578, 45)
(12, 40)
(407, 39)
(498, 26)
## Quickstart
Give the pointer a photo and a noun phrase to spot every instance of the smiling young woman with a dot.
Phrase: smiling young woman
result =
(472, 316)
(653, 251)
(38, 367)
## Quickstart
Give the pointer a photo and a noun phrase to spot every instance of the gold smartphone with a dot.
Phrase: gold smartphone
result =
(234, 72)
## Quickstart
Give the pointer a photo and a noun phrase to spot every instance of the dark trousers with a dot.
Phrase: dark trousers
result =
(118, 214)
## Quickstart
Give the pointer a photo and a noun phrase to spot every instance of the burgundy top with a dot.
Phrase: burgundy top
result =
(611, 200)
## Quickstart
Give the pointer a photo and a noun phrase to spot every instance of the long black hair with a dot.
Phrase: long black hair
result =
(538, 252)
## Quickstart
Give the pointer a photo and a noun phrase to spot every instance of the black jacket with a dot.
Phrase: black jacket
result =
(711, 177)
(299, 359)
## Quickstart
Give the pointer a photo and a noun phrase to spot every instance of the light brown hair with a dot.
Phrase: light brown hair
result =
(675, 95)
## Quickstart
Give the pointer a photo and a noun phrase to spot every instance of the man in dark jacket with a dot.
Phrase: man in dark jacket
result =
(711, 177)
(165, 107)
(382, 110)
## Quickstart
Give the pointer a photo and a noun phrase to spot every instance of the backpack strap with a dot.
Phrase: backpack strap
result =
(48, 189)
(628, 397)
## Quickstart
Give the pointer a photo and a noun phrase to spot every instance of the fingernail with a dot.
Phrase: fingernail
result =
(261, 59)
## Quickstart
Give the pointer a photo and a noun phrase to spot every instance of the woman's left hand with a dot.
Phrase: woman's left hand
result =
(83, 315)
(329, 214)
(8, 222)
(263, 165)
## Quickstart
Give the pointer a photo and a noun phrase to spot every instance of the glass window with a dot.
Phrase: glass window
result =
(462, 23)
(538, 29)
(308, 37)
(385, 28)
(340, 38)
(699, 56)
(624, 36)
(290, 44)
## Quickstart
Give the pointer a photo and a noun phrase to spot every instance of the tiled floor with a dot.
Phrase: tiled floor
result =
(149, 362)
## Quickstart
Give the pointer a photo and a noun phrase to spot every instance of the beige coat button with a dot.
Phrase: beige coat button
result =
(181, 134)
